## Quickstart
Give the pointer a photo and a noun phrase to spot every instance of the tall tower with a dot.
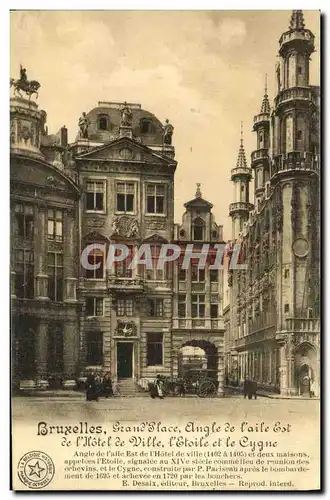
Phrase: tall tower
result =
(259, 157)
(294, 174)
(241, 177)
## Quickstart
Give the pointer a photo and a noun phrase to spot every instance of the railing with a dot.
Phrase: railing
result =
(240, 205)
(295, 160)
(264, 334)
(301, 93)
(259, 154)
(289, 36)
(92, 284)
(261, 117)
(131, 284)
(303, 325)
(199, 323)
(240, 171)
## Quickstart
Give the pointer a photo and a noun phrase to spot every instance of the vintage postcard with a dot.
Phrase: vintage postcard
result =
(165, 250)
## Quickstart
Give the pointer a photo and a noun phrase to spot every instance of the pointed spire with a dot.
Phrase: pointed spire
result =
(198, 190)
(265, 106)
(241, 160)
(297, 20)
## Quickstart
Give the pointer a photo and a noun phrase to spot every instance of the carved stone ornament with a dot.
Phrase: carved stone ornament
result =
(126, 329)
(300, 247)
(95, 222)
(125, 226)
(156, 223)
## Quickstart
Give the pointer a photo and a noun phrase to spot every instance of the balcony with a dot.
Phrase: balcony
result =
(303, 325)
(240, 206)
(294, 94)
(239, 171)
(294, 162)
(92, 285)
(127, 285)
(259, 155)
(199, 323)
(297, 37)
(260, 119)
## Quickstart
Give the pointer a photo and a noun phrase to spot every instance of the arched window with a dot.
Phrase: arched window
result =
(198, 229)
(103, 122)
(146, 126)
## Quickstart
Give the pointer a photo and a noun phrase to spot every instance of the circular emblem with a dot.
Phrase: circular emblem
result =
(36, 469)
(126, 154)
(300, 247)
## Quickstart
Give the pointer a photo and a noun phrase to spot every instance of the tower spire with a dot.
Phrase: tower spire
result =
(297, 20)
(241, 160)
(265, 106)
(198, 190)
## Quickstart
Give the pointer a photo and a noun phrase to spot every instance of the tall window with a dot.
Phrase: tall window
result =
(95, 196)
(125, 307)
(94, 306)
(122, 267)
(213, 275)
(198, 230)
(182, 305)
(155, 198)
(103, 122)
(154, 273)
(155, 307)
(95, 257)
(154, 349)
(145, 126)
(125, 197)
(198, 306)
(55, 225)
(197, 274)
(55, 276)
(24, 277)
(214, 306)
(24, 220)
(94, 348)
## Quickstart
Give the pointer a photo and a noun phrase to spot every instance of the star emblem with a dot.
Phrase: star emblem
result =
(36, 469)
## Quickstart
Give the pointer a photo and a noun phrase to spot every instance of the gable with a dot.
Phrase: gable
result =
(199, 204)
(126, 150)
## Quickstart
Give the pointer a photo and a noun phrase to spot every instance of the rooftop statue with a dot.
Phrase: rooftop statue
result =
(83, 125)
(126, 116)
(168, 132)
(23, 84)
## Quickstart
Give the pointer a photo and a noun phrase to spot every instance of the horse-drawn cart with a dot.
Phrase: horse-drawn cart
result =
(201, 382)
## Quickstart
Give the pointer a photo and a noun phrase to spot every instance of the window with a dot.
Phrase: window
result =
(197, 274)
(95, 196)
(182, 275)
(55, 276)
(286, 308)
(155, 198)
(198, 306)
(286, 273)
(125, 307)
(182, 305)
(122, 267)
(103, 123)
(24, 277)
(24, 220)
(198, 230)
(55, 225)
(213, 275)
(145, 126)
(214, 310)
(55, 361)
(154, 349)
(94, 306)
(95, 257)
(155, 307)
(299, 70)
(125, 197)
(261, 138)
(299, 135)
(154, 273)
(242, 189)
(94, 348)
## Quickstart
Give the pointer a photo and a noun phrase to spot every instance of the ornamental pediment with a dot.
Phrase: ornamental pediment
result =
(126, 150)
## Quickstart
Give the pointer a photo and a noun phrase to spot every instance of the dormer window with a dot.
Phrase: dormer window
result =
(198, 229)
(103, 122)
(146, 126)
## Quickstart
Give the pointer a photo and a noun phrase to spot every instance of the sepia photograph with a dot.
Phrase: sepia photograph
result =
(165, 243)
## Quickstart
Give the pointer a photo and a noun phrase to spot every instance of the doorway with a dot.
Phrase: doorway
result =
(304, 380)
(124, 360)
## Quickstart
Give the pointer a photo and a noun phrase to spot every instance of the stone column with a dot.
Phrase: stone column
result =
(283, 370)
(41, 291)
(70, 347)
(42, 348)
(207, 297)
(70, 249)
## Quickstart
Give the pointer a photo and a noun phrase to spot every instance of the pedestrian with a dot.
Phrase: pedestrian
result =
(91, 389)
(160, 387)
(107, 385)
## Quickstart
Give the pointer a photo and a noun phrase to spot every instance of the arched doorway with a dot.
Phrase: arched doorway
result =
(198, 354)
(306, 368)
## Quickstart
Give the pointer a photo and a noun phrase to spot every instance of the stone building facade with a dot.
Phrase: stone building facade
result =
(272, 316)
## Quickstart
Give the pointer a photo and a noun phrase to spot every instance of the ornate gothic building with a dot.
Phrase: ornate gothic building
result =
(272, 307)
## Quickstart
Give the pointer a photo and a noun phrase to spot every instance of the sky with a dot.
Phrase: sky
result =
(203, 70)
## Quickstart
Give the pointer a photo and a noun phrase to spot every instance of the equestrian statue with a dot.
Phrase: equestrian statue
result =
(23, 85)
